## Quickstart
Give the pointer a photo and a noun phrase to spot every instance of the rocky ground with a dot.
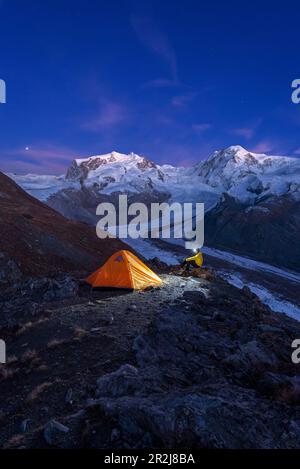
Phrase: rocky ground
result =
(195, 363)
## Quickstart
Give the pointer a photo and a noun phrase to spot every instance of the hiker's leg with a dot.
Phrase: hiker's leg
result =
(185, 265)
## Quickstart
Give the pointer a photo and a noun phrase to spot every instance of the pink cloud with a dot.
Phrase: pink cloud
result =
(199, 128)
(39, 158)
(181, 154)
(48, 152)
(183, 100)
(111, 114)
(25, 167)
(245, 132)
(263, 147)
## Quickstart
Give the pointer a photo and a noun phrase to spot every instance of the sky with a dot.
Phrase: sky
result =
(172, 80)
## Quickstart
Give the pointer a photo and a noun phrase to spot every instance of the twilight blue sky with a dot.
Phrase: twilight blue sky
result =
(173, 79)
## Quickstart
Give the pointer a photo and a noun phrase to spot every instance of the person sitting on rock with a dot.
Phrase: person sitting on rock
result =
(195, 261)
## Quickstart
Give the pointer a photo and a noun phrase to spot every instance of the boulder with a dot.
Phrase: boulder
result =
(54, 433)
(10, 273)
(122, 382)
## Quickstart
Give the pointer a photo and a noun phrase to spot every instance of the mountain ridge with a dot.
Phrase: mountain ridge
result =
(244, 174)
(261, 188)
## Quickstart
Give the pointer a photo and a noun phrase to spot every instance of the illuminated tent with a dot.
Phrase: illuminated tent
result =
(124, 270)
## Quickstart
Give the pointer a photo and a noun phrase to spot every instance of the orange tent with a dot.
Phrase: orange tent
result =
(124, 270)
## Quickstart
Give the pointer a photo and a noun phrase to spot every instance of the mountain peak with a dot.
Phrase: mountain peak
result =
(233, 153)
(112, 156)
(236, 149)
(82, 168)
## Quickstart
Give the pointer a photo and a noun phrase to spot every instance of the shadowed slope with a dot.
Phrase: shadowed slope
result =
(42, 241)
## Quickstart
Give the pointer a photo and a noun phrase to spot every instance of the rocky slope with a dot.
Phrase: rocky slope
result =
(267, 231)
(194, 364)
(38, 241)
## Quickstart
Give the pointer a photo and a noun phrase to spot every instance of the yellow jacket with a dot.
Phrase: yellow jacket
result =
(197, 258)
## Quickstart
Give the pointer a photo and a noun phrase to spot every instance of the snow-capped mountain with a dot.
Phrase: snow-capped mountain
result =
(244, 175)
(252, 199)
(116, 172)
(91, 180)
(249, 176)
